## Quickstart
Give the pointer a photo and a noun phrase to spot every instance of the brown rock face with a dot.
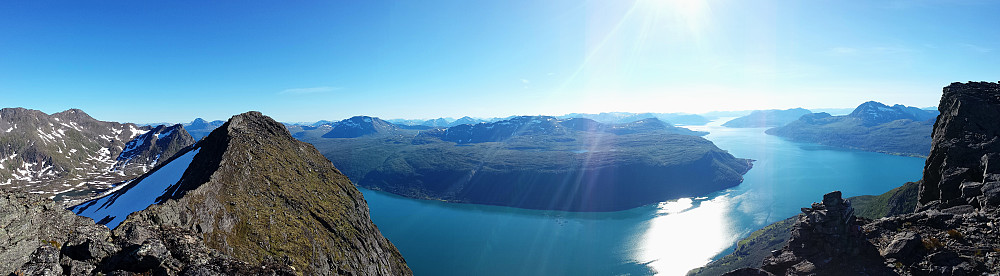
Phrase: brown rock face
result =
(965, 148)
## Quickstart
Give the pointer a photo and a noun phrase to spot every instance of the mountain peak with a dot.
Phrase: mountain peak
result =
(874, 113)
(254, 122)
(358, 126)
(252, 190)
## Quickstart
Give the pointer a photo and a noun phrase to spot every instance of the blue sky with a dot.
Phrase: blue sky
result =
(172, 61)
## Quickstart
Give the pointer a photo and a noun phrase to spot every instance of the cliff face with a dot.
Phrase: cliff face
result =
(964, 164)
(952, 232)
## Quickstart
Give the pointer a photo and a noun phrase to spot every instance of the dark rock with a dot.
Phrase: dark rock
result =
(971, 189)
(44, 262)
(150, 254)
(961, 209)
(945, 258)
(991, 193)
(963, 139)
(29, 221)
(826, 240)
(748, 271)
(904, 247)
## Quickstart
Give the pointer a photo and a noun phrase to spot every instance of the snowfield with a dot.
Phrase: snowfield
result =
(117, 206)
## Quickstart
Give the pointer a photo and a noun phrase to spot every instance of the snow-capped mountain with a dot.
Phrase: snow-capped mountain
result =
(875, 113)
(67, 155)
(160, 143)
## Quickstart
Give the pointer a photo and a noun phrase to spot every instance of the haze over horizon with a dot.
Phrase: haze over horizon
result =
(306, 61)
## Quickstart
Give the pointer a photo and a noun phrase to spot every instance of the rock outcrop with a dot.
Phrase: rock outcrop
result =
(826, 240)
(964, 164)
(41, 238)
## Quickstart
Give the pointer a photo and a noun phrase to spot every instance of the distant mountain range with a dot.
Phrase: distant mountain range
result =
(872, 126)
(70, 155)
(626, 117)
(767, 118)
(536, 162)
(606, 117)
(440, 122)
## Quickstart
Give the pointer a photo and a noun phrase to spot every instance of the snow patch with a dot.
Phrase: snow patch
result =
(140, 196)
(135, 131)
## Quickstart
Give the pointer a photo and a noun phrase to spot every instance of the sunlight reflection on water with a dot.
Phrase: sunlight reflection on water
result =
(686, 234)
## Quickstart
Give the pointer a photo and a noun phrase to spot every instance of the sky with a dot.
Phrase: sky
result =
(298, 61)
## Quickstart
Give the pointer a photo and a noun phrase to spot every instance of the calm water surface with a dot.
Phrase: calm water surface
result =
(669, 238)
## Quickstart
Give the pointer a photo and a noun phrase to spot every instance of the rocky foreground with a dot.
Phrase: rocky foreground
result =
(953, 230)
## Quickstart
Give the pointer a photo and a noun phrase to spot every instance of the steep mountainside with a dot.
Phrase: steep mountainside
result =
(872, 127)
(253, 192)
(540, 162)
(69, 155)
(767, 118)
(952, 232)
(144, 151)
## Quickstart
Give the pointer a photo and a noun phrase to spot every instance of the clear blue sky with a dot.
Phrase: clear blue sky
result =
(153, 61)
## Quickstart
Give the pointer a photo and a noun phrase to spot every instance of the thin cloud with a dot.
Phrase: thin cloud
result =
(844, 51)
(525, 81)
(976, 48)
(310, 90)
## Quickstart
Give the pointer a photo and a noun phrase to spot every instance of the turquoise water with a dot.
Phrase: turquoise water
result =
(669, 238)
